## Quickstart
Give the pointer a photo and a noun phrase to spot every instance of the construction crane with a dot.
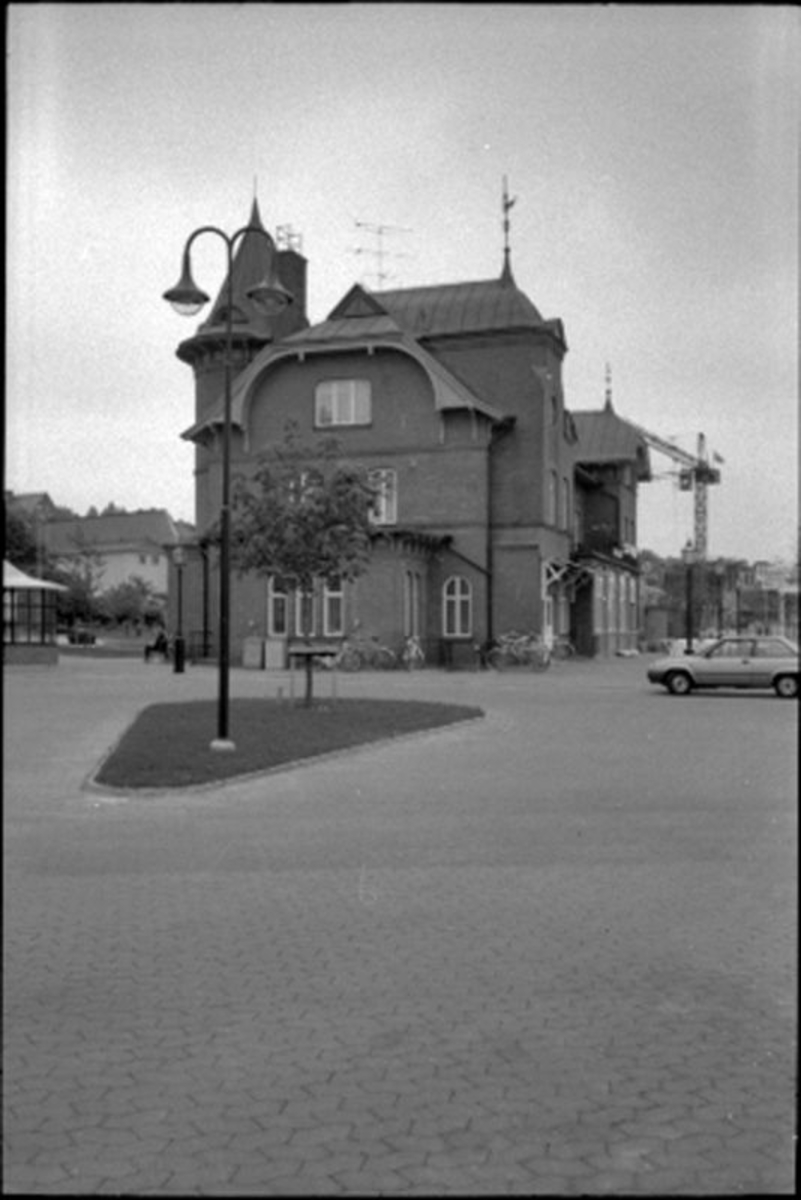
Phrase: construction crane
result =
(696, 475)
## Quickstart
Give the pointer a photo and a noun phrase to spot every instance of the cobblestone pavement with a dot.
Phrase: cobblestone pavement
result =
(552, 952)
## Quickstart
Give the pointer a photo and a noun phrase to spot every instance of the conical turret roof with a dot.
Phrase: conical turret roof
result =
(254, 258)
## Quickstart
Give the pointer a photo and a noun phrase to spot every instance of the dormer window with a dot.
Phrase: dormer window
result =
(342, 402)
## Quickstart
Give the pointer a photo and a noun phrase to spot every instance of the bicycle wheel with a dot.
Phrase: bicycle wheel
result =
(563, 649)
(496, 659)
(385, 659)
(350, 660)
(540, 658)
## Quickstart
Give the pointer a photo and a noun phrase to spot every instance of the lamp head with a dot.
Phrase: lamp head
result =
(269, 295)
(186, 297)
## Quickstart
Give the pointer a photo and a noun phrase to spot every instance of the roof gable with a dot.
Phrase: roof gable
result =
(356, 303)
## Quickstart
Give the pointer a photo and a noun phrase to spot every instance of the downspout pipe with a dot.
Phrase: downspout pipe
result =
(499, 429)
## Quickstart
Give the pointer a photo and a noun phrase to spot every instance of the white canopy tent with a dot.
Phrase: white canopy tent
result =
(29, 616)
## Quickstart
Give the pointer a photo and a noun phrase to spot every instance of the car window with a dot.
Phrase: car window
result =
(730, 649)
(772, 648)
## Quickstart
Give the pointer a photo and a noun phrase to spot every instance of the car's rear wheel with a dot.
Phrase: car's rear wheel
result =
(786, 686)
(679, 683)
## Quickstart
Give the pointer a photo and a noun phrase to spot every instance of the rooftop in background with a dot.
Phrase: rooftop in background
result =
(146, 527)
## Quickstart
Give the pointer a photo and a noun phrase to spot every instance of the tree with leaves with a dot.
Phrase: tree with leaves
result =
(305, 518)
(133, 601)
(21, 543)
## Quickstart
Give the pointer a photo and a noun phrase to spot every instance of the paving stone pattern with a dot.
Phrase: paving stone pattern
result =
(445, 966)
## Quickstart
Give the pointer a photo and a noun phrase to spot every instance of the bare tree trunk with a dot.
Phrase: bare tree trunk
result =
(307, 601)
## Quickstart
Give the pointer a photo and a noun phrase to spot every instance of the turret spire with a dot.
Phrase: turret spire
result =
(608, 389)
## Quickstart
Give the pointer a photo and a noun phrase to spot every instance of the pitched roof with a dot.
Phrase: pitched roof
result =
(148, 527)
(453, 308)
(30, 502)
(604, 437)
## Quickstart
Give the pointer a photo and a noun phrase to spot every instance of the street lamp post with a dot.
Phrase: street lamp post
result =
(179, 559)
(187, 299)
(688, 557)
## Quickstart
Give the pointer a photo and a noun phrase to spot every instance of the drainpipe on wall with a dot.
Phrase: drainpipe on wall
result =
(498, 430)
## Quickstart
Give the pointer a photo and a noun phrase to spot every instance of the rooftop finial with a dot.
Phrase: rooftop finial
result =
(507, 202)
(608, 388)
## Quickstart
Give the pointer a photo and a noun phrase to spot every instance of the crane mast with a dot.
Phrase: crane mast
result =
(696, 475)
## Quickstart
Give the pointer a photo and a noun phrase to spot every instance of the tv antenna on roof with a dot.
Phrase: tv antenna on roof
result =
(378, 252)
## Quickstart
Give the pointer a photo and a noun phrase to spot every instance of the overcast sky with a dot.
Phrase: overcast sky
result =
(652, 152)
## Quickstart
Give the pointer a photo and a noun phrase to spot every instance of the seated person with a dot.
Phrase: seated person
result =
(159, 646)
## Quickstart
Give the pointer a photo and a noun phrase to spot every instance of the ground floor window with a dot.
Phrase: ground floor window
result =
(457, 607)
(305, 612)
(333, 609)
(277, 608)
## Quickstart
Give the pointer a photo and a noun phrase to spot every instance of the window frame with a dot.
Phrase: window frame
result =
(277, 596)
(333, 595)
(346, 394)
(456, 604)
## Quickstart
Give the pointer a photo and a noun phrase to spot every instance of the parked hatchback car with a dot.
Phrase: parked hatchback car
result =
(733, 662)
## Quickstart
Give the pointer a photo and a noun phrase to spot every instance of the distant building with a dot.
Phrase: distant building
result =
(36, 505)
(120, 545)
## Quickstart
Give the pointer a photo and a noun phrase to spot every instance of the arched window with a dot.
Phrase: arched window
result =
(457, 607)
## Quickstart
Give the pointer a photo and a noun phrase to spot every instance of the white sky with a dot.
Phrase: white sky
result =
(653, 152)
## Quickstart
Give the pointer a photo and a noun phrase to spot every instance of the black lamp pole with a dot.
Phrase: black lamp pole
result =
(187, 299)
(688, 554)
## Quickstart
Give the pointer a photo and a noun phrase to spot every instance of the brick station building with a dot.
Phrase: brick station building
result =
(499, 508)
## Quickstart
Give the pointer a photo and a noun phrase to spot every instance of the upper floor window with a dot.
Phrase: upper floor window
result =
(457, 607)
(385, 502)
(342, 402)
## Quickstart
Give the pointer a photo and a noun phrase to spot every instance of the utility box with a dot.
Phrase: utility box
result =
(253, 653)
(275, 654)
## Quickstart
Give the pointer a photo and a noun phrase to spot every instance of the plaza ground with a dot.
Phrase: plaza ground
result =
(549, 952)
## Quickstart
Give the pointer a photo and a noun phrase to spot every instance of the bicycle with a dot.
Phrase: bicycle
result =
(519, 650)
(563, 648)
(364, 653)
(412, 654)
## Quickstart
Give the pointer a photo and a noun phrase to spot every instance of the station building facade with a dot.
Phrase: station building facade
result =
(499, 509)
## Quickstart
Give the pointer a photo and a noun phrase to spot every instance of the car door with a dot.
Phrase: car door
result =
(769, 655)
(727, 664)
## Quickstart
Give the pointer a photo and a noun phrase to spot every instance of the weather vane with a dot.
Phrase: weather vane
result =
(507, 202)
